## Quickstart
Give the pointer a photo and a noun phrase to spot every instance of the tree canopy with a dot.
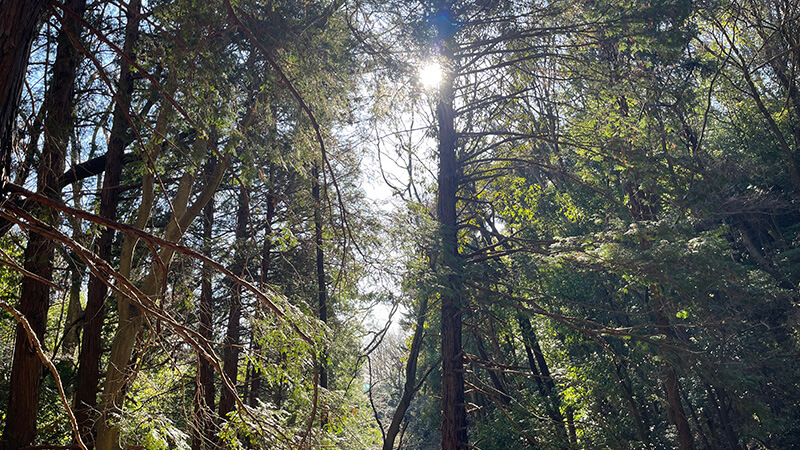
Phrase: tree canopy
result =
(399, 224)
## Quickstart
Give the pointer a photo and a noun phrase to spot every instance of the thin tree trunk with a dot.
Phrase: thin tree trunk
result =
(524, 326)
(675, 411)
(639, 418)
(74, 308)
(546, 384)
(498, 384)
(322, 290)
(266, 268)
(788, 154)
(89, 358)
(18, 24)
(410, 387)
(717, 397)
(26, 370)
(205, 396)
(75, 317)
(712, 429)
(693, 415)
(230, 353)
(573, 433)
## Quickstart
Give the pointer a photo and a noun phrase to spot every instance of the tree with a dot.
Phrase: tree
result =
(205, 397)
(94, 314)
(18, 22)
(34, 302)
(230, 353)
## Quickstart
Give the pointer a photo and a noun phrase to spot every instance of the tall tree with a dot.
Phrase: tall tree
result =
(410, 385)
(454, 416)
(232, 342)
(205, 398)
(26, 374)
(94, 313)
(319, 264)
(131, 317)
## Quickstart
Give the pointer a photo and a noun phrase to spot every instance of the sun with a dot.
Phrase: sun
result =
(430, 75)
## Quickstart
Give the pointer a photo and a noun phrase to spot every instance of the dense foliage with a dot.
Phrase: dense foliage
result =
(593, 234)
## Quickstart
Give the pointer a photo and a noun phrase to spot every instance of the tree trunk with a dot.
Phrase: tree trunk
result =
(130, 317)
(573, 433)
(203, 432)
(230, 353)
(675, 411)
(74, 308)
(322, 290)
(454, 415)
(498, 384)
(18, 25)
(788, 154)
(717, 397)
(545, 382)
(410, 387)
(266, 268)
(94, 315)
(714, 444)
(26, 370)
(639, 419)
(697, 424)
(676, 414)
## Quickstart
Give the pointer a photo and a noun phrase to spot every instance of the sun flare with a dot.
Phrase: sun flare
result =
(430, 75)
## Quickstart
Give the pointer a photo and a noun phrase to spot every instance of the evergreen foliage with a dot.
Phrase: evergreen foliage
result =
(592, 239)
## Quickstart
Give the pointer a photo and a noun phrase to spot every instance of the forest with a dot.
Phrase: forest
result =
(399, 224)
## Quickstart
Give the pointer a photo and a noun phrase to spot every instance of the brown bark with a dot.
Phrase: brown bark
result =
(26, 371)
(675, 411)
(230, 353)
(454, 415)
(18, 23)
(322, 289)
(94, 314)
(130, 317)
(266, 268)
(676, 414)
(205, 396)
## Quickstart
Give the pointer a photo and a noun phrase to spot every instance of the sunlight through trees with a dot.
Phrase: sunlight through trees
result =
(586, 234)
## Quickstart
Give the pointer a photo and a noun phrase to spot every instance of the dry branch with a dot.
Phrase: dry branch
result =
(34, 341)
